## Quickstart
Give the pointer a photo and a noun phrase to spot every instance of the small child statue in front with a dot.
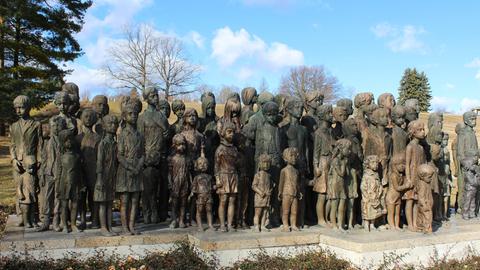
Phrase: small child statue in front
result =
(426, 173)
(107, 164)
(70, 180)
(178, 180)
(396, 188)
(470, 172)
(371, 187)
(262, 186)
(202, 189)
(226, 173)
(289, 189)
(337, 188)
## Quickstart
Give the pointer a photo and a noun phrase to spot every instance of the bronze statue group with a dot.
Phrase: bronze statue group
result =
(290, 163)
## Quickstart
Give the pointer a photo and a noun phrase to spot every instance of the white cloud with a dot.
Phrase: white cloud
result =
(245, 73)
(441, 103)
(475, 63)
(401, 39)
(196, 38)
(228, 47)
(477, 76)
(450, 85)
(468, 103)
(90, 80)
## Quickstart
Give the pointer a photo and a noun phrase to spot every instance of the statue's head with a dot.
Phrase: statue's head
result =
(371, 162)
(74, 93)
(164, 107)
(57, 123)
(340, 114)
(201, 164)
(445, 139)
(264, 97)
(208, 104)
(100, 105)
(179, 143)
(347, 104)
(233, 108)
(130, 108)
(270, 111)
(110, 123)
(234, 95)
(398, 115)
(68, 140)
(228, 131)
(398, 162)
(264, 162)
(190, 117)
(21, 104)
(379, 117)
(325, 113)
(425, 172)
(343, 148)
(290, 155)
(62, 101)
(313, 100)
(363, 99)
(150, 95)
(88, 117)
(470, 119)
(413, 103)
(281, 101)
(295, 108)
(249, 95)
(350, 128)
(178, 108)
(435, 120)
(386, 100)
(416, 129)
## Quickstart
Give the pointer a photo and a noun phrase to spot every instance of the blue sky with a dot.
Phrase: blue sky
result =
(365, 44)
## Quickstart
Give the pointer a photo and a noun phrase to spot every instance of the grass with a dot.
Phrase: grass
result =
(7, 192)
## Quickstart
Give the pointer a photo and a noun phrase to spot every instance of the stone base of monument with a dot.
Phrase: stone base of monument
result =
(454, 239)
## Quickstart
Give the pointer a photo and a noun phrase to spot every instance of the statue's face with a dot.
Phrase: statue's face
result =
(346, 151)
(21, 110)
(471, 121)
(329, 117)
(399, 121)
(291, 158)
(192, 120)
(165, 109)
(63, 106)
(400, 167)
(210, 109)
(74, 107)
(340, 116)
(101, 108)
(388, 102)
(202, 166)
(131, 117)
(152, 98)
(54, 128)
(353, 128)
(45, 131)
(296, 111)
(111, 127)
(264, 166)
(445, 141)
(89, 119)
(228, 134)
(383, 120)
(179, 113)
(180, 147)
(373, 164)
(420, 133)
(271, 117)
(68, 144)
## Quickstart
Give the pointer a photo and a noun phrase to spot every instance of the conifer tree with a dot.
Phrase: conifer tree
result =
(415, 84)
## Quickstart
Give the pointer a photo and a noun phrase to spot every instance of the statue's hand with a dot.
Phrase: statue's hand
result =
(317, 172)
(279, 197)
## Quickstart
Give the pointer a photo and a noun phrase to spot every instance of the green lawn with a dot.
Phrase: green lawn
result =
(7, 187)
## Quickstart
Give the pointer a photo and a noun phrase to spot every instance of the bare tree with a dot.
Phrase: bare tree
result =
(129, 61)
(303, 79)
(263, 87)
(174, 68)
(147, 58)
(226, 92)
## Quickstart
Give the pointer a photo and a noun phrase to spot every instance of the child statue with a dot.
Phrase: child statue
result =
(471, 174)
(347, 104)
(289, 189)
(70, 181)
(322, 154)
(202, 188)
(339, 115)
(399, 135)
(24, 150)
(131, 157)
(208, 126)
(107, 164)
(457, 188)
(372, 190)
(244, 182)
(178, 108)
(164, 107)
(412, 110)
(88, 141)
(445, 175)
(100, 106)
(415, 156)
(178, 180)
(396, 187)
(63, 101)
(249, 98)
(153, 126)
(262, 187)
(337, 189)
(296, 135)
(226, 175)
(351, 133)
(425, 198)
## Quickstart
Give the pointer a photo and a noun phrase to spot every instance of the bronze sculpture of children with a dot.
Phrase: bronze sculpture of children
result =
(289, 190)
(262, 186)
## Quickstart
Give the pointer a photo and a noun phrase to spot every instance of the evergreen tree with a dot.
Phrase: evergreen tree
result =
(36, 40)
(415, 84)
